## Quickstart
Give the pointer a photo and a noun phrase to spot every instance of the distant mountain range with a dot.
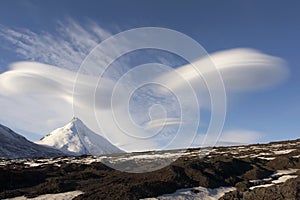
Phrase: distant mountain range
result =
(73, 139)
(13, 145)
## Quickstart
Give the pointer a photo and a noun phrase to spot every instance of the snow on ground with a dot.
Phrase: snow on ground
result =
(267, 158)
(264, 154)
(281, 175)
(260, 186)
(277, 145)
(284, 151)
(253, 151)
(284, 178)
(281, 179)
(196, 193)
(59, 196)
(112, 159)
(285, 172)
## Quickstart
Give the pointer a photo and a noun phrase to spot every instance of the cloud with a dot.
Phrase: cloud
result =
(66, 48)
(41, 97)
(162, 122)
(46, 93)
(241, 69)
(38, 95)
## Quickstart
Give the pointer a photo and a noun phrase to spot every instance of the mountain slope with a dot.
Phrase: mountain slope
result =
(77, 139)
(13, 145)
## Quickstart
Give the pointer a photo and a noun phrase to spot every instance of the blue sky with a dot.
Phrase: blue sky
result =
(271, 27)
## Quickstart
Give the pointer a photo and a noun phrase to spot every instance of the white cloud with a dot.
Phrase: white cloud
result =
(43, 93)
(37, 95)
(66, 48)
(40, 97)
(241, 69)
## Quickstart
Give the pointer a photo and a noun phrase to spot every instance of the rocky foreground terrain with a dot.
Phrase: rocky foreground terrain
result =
(262, 171)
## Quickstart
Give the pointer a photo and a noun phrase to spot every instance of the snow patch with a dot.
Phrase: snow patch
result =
(280, 152)
(285, 172)
(200, 193)
(282, 175)
(284, 178)
(59, 196)
(260, 186)
(267, 158)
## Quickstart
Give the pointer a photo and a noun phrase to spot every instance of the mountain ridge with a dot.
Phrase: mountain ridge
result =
(14, 145)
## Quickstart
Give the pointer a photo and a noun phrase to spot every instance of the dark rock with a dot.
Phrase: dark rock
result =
(99, 181)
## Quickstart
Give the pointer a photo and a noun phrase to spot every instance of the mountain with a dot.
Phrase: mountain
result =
(13, 145)
(76, 138)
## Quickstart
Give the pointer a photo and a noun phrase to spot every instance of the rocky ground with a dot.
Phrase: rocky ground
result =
(265, 171)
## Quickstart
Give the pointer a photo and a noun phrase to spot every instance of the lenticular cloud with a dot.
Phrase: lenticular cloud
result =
(43, 95)
(241, 69)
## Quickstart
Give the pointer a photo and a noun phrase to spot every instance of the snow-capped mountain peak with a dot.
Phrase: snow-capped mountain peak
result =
(77, 139)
